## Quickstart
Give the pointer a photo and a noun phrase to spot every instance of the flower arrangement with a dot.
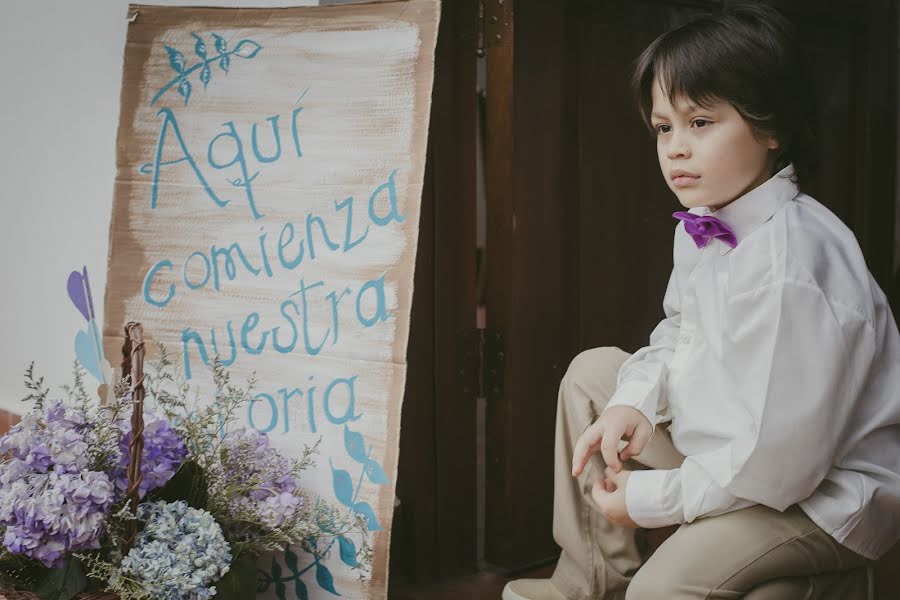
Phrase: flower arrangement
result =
(188, 520)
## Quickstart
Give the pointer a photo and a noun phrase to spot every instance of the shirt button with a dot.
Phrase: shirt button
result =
(685, 338)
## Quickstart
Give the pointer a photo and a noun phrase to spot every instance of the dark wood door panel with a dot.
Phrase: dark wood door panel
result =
(579, 216)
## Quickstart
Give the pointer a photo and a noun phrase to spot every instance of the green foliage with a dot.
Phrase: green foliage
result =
(189, 483)
(38, 391)
(63, 583)
(239, 583)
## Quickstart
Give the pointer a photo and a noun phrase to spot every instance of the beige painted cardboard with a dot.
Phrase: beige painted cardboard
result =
(348, 90)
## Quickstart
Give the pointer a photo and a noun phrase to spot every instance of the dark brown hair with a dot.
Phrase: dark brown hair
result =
(748, 55)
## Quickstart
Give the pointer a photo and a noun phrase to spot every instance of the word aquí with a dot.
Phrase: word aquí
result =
(224, 151)
(208, 266)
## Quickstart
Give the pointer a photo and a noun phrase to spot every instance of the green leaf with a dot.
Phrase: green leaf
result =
(63, 583)
(239, 583)
(189, 483)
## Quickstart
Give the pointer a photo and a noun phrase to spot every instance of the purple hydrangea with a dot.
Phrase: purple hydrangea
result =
(51, 502)
(276, 495)
(164, 451)
(47, 515)
(58, 441)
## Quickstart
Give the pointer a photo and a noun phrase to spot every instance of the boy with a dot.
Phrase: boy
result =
(778, 362)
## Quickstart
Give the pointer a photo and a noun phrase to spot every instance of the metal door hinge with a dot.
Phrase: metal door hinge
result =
(480, 363)
(494, 23)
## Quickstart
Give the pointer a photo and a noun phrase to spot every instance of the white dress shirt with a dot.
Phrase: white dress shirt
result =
(778, 364)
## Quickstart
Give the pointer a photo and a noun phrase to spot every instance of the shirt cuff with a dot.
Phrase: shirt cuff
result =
(646, 502)
(637, 395)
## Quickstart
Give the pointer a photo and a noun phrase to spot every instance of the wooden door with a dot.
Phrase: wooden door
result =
(434, 530)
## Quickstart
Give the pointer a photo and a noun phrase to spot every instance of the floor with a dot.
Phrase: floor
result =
(480, 586)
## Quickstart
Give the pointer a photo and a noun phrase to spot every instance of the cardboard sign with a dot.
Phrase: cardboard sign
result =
(269, 176)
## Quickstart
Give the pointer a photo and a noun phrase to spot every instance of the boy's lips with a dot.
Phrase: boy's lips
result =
(684, 180)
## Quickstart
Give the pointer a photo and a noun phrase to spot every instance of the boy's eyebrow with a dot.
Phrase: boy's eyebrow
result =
(690, 108)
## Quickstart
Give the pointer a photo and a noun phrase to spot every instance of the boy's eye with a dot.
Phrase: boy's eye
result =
(660, 129)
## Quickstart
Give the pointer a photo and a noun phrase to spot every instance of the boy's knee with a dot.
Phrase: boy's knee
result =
(646, 585)
(584, 365)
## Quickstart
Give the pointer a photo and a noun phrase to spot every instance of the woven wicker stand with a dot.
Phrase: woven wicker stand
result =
(132, 362)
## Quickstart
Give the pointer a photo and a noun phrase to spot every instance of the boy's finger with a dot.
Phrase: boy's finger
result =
(608, 485)
(599, 493)
(613, 478)
(637, 443)
(585, 446)
(609, 447)
(618, 478)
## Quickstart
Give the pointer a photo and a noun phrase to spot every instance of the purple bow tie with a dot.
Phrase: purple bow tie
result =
(704, 227)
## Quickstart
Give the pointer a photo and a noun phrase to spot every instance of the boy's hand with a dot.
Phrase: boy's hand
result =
(616, 423)
(609, 494)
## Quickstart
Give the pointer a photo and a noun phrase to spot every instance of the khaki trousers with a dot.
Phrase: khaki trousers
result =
(756, 553)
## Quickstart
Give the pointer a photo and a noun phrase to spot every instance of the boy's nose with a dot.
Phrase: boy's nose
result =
(678, 148)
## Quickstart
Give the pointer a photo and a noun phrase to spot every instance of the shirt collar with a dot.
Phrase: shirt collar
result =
(754, 208)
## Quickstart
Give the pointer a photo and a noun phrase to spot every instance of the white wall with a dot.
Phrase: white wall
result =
(60, 77)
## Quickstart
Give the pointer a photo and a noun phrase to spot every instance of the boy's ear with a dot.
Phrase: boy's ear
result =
(770, 141)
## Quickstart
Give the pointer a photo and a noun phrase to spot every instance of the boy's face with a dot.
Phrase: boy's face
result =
(716, 147)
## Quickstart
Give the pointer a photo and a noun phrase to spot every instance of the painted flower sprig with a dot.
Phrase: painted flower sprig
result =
(246, 49)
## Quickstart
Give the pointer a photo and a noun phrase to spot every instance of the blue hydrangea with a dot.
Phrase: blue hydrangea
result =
(179, 554)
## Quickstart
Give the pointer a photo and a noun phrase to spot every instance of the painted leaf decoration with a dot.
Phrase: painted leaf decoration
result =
(247, 49)
(184, 88)
(290, 559)
(176, 59)
(364, 509)
(225, 62)
(276, 569)
(80, 293)
(375, 473)
(300, 589)
(221, 44)
(324, 578)
(200, 46)
(205, 75)
(343, 485)
(355, 445)
(348, 551)
(87, 351)
(280, 590)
